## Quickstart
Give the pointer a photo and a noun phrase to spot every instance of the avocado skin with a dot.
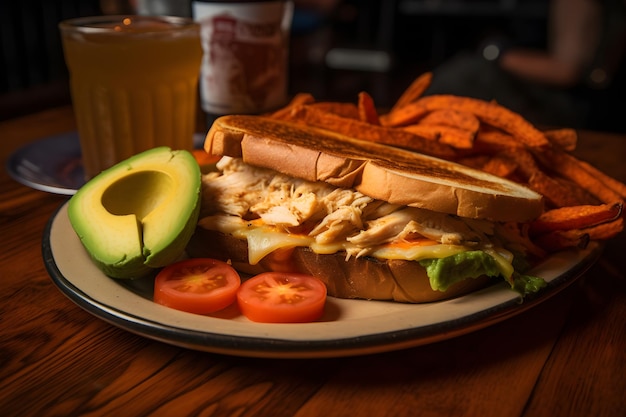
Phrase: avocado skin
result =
(126, 269)
(141, 260)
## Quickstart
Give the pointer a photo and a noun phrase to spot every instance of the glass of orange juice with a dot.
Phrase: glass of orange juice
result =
(133, 82)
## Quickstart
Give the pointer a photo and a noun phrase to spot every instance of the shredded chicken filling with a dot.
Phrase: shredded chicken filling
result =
(329, 214)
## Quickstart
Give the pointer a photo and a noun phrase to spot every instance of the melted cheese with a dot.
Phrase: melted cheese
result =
(417, 252)
(263, 240)
(503, 258)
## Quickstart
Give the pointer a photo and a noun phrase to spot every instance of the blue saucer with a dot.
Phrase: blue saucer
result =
(53, 164)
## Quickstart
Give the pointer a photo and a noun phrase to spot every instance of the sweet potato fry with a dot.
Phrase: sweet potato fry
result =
(606, 189)
(500, 165)
(558, 192)
(606, 231)
(474, 161)
(526, 165)
(454, 118)
(487, 112)
(563, 138)
(612, 183)
(555, 192)
(490, 113)
(348, 110)
(427, 132)
(491, 141)
(300, 98)
(575, 217)
(455, 137)
(562, 239)
(404, 115)
(367, 109)
(414, 91)
(357, 129)
(583, 196)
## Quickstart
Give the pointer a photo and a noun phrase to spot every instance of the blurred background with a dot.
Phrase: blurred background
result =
(557, 62)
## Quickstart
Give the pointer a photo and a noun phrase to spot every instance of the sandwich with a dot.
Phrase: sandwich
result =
(370, 220)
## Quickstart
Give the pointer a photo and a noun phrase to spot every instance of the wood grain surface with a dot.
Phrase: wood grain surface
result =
(564, 357)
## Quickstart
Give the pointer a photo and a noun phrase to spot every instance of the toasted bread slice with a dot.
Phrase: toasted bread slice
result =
(379, 171)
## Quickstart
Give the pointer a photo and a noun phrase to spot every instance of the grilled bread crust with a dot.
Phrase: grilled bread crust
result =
(382, 172)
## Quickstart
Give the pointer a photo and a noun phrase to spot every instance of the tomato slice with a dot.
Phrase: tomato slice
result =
(282, 297)
(198, 285)
(204, 158)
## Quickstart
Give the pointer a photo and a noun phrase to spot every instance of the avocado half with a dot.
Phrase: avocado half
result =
(139, 214)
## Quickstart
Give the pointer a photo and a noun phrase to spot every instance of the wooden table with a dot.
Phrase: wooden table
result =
(564, 357)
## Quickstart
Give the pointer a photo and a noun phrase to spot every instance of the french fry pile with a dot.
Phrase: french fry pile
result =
(581, 202)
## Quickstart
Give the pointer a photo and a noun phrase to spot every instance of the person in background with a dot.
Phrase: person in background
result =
(565, 84)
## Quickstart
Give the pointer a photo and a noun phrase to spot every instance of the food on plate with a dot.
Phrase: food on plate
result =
(280, 297)
(566, 218)
(199, 285)
(369, 220)
(435, 198)
(206, 161)
(488, 112)
(354, 127)
(414, 91)
(367, 109)
(488, 137)
(139, 214)
(206, 285)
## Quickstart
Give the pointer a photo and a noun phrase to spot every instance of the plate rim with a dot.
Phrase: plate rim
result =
(250, 346)
(11, 163)
(66, 138)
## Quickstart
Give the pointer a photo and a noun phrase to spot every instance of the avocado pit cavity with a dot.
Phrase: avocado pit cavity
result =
(138, 193)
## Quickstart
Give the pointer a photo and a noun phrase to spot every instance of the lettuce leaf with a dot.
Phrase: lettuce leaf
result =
(446, 271)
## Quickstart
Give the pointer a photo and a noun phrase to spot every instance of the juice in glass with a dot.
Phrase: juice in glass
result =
(133, 81)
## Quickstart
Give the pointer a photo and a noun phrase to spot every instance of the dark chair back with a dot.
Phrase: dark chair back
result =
(32, 70)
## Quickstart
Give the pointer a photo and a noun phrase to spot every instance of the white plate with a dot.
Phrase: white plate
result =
(54, 164)
(348, 327)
